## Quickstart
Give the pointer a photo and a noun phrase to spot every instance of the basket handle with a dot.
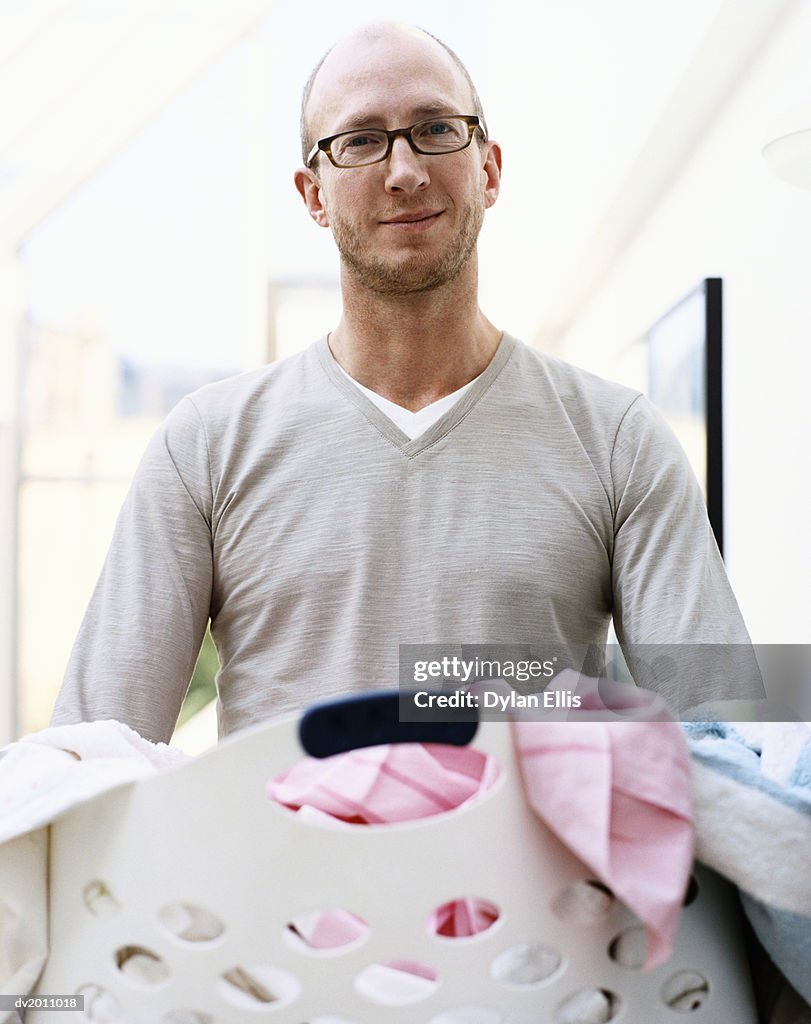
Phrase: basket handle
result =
(369, 719)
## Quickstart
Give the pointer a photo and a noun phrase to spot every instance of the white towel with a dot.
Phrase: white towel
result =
(42, 776)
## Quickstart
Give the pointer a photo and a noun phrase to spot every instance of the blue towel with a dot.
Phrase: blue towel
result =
(752, 803)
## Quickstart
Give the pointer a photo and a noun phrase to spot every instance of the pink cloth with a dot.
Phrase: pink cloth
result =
(379, 785)
(616, 793)
(619, 795)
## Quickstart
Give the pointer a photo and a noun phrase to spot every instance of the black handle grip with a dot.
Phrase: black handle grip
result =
(369, 719)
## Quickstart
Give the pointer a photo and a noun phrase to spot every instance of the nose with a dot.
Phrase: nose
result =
(407, 171)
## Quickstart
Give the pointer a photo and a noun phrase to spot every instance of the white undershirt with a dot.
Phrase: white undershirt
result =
(412, 424)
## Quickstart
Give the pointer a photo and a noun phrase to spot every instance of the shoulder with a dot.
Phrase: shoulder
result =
(236, 404)
(570, 383)
(591, 404)
(246, 389)
(222, 421)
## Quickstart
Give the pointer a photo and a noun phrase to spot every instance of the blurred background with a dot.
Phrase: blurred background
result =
(151, 240)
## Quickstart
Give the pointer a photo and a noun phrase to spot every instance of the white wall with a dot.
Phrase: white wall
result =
(727, 216)
(10, 313)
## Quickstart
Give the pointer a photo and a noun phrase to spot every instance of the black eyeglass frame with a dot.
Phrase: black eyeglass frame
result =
(473, 122)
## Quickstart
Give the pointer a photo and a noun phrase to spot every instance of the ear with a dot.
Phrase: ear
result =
(309, 188)
(491, 173)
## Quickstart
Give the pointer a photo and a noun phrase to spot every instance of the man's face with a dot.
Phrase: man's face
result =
(407, 224)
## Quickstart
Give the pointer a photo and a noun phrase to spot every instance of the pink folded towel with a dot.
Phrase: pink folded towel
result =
(380, 785)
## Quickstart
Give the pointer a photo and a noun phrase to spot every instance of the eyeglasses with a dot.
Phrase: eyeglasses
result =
(431, 137)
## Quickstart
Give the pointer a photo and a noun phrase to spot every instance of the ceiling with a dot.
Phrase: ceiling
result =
(84, 76)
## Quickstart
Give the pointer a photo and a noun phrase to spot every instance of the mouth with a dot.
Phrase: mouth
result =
(413, 220)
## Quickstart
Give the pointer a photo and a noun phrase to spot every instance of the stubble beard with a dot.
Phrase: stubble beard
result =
(420, 272)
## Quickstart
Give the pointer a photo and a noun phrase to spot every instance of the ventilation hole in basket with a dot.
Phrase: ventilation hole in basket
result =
(585, 902)
(397, 982)
(188, 1017)
(100, 1007)
(629, 948)
(141, 965)
(258, 987)
(692, 891)
(686, 991)
(468, 1015)
(528, 963)
(99, 900)
(191, 923)
(588, 1006)
(459, 919)
(326, 929)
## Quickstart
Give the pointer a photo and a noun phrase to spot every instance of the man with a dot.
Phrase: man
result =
(416, 477)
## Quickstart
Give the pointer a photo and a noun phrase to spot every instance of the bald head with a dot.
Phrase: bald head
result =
(340, 68)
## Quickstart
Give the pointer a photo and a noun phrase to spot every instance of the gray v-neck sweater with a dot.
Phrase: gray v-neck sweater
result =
(317, 537)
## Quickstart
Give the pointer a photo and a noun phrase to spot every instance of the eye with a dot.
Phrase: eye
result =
(357, 145)
(447, 132)
(359, 139)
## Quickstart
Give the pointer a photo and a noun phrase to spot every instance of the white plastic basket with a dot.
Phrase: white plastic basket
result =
(206, 836)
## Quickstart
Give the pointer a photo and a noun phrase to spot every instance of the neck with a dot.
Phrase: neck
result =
(413, 349)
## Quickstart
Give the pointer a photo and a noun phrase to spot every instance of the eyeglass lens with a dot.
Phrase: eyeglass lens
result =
(441, 135)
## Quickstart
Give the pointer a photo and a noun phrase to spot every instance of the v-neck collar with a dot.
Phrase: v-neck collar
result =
(443, 426)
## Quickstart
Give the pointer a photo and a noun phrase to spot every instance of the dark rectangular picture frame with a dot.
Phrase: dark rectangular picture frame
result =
(685, 367)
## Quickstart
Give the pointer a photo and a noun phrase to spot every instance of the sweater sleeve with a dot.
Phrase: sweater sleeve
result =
(137, 646)
(672, 598)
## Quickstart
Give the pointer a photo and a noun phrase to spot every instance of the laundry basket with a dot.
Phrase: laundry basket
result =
(204, 843)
